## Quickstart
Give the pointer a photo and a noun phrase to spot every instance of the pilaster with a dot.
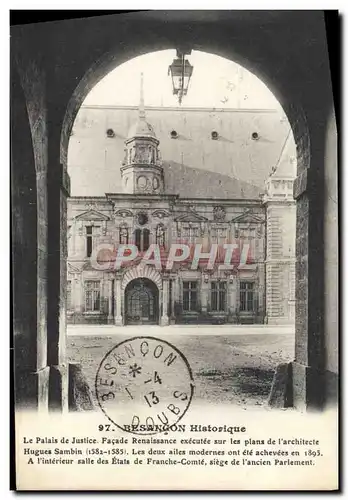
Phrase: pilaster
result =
(204, 293)
(165, 297)
(118, 300)
(110, 293)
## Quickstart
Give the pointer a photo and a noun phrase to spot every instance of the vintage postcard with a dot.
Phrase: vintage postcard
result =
(175, 252)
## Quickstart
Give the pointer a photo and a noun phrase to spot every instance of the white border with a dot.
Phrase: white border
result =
(4, 177)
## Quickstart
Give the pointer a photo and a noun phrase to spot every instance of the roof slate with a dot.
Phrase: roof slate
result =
(195, 165)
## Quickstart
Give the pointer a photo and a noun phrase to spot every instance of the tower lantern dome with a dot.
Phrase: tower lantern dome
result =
(142, 170)
(141, 128)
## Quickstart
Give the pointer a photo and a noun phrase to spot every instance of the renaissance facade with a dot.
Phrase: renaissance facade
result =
(239, 229)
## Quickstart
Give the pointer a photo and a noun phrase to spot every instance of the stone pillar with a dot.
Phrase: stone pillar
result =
(261, 293)
(204, 294)
(78, 292)
(172, 316)
(175, 295)
(307, 369)
(331, 268)
(58, 191)
(292, 285)
(165, 296)
(231, 296)
(176, 289)
(29, 233)
(118, 301)
(111, 285)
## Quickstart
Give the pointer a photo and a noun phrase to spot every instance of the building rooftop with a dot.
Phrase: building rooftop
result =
(206, 152)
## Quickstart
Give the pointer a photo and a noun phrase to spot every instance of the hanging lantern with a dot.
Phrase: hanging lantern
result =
(181, 72)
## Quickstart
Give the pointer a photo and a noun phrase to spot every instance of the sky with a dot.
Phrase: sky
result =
(215, 82)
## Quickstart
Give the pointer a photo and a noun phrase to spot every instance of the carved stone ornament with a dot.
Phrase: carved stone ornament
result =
(142, 218)
(259, 231)
(160, 214)
(219, 213)
(92, 206)
(123, 213)
(80, 230)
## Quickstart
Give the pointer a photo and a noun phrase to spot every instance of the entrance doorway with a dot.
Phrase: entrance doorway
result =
(141, 302)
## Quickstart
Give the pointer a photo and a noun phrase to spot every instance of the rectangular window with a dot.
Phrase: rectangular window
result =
(68, 295)
(218, 295)
(190, 296)
(246, 289)
(92, 296)
(89, 240)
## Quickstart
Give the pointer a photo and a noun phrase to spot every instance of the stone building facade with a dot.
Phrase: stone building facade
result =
(151, 211)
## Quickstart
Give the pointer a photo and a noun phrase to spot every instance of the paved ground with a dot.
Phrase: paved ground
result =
(178, 330)
(233, 365)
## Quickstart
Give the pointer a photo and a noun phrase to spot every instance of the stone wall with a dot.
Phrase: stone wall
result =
(183, 221)
(280, 262)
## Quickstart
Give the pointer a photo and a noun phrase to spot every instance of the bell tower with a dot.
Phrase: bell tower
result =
(142, 171)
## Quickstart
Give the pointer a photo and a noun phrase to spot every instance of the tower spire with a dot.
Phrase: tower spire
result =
(141, 102)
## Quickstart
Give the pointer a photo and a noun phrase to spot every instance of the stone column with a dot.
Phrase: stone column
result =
(261, 293)
(165, 295)
(111, 285)
(204, 294)
(309, 382)
(58, 190)
(307, 369)
(118, 301)
(232, 296)
(172, 316)
(78, 295)
(176, 289)
(175, 295)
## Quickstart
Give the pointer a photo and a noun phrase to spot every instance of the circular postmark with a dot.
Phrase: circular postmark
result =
(144, 385)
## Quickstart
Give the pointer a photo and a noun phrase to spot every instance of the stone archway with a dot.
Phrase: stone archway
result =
(297, 118)
(288, 67)
(142, 272)
(100, 68)
(162, 285)
(141, 302)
